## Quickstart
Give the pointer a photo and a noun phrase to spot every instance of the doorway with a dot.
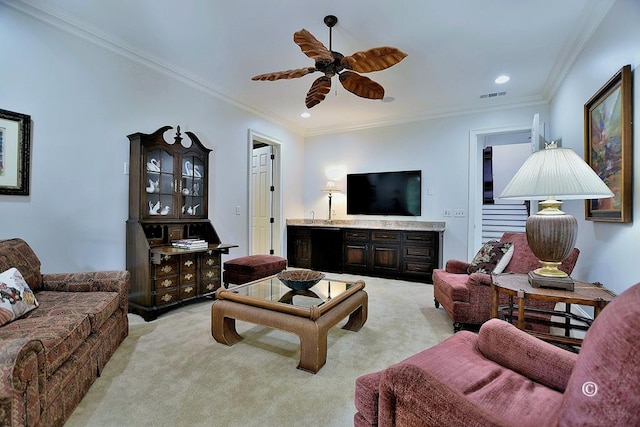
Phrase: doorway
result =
(478, 141)
(264, 195)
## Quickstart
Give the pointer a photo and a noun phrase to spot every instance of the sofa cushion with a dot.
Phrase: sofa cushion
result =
(60, 335)
(17, 253)
(456, 367)
(489, 256)
(16, 298)
(99, 306)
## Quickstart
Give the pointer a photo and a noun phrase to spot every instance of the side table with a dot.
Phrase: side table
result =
(518, 286)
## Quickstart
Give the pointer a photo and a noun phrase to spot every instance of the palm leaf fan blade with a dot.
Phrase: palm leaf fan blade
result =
(288, 74)
(311, 46)
(361, 86)
(319, 89)
(376, 59)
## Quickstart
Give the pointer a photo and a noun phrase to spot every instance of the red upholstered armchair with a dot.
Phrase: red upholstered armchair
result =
(506, 377)
(467, 297)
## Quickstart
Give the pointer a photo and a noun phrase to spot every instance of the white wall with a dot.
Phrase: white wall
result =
(84, 100)
(439, 147)
(609, 251)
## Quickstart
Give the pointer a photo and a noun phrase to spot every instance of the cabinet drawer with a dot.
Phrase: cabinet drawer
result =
(188, 263)
(418, 267)
(426, 237)
(189, 291)
(166, 268)
(210, 286)
(210, 274)
(187, 277)
(164, 283)
(166, 297)
(210, 261)
(424, 252)
(356, 235)
(384, 235)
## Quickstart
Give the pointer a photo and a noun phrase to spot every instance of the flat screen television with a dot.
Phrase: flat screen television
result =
(385, 193)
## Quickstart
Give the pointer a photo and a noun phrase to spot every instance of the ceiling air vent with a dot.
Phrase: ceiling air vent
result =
(492, 95)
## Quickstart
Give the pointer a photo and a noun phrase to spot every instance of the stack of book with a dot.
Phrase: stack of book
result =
(190, 244)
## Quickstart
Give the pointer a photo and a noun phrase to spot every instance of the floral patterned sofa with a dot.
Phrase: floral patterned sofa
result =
(50, 356)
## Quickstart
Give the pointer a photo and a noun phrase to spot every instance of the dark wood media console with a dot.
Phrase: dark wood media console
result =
(399, 253)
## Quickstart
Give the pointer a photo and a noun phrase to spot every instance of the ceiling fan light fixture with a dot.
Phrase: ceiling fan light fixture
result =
(331, 63)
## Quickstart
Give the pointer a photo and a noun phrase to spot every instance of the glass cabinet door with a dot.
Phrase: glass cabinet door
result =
(159, 184)
(192, 186)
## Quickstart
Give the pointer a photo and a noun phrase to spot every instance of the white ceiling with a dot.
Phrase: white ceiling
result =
(456, 48)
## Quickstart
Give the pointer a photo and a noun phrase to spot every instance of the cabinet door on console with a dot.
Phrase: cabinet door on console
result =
(299, 247)
(356, 252)
(385, 251)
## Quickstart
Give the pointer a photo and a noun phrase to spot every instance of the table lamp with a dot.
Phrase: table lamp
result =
(547, 175)
(330, 188)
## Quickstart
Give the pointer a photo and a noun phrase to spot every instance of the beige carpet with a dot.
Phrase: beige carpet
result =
(171, 372)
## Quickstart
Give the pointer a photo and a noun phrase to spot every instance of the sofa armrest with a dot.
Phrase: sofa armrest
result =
(22, 380)
(479, 279)
(456, 266)
(96, 281)
(525, 354)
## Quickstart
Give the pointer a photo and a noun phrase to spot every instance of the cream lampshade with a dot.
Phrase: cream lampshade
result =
(551, 174)
(330, 188)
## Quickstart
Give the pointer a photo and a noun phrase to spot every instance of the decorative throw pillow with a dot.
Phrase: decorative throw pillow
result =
(489, 256)
(16, 298)
(504, 261)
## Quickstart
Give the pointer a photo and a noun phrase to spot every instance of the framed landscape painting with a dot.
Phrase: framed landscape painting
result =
(15, 143)
(608, 145)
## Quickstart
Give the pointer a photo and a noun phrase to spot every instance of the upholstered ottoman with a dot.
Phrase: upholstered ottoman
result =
(253, 267)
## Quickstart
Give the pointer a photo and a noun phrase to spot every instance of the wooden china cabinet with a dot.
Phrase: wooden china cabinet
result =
(168, 185)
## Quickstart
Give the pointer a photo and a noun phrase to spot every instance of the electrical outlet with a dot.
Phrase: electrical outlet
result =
(459, 213)
(446, 212)
(126, 168)
(333, 212)
(237, 210)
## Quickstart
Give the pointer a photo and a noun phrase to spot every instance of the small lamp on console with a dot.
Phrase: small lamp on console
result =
(547, 175)
(330, 188)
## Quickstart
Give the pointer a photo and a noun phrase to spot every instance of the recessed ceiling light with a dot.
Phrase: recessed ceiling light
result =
(502, 79)
(305, 115)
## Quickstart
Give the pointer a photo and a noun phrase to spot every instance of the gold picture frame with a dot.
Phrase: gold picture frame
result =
(15, 149)
(608, 144)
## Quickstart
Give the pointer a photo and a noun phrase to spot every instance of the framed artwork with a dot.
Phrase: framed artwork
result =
(15, 148)
(608, 145)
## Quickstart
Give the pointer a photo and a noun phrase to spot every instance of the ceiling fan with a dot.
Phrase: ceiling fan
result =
(331, 63)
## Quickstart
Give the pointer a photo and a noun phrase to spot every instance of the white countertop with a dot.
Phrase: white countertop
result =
(371, 224)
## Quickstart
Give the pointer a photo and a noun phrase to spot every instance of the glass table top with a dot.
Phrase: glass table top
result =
(273, 290)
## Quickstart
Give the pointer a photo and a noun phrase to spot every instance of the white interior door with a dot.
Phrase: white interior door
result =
(261, 173)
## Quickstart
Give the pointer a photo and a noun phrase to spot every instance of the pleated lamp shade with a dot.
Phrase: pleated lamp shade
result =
(551, 174)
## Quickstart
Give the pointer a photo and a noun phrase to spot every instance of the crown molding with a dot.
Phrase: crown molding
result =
(54, 17)
(590, 19)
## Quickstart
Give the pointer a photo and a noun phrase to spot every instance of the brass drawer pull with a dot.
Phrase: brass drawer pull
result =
(166, 268)
(166, 283)
(210, 261)
(166, 297)
(188, 290)
(188, 263)
(188, 276)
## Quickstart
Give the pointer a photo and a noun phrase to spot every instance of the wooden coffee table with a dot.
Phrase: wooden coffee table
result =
(308, 314)
(517, 286)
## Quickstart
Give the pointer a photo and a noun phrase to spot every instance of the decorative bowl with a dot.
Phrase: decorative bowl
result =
(300, 280)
